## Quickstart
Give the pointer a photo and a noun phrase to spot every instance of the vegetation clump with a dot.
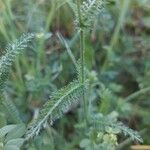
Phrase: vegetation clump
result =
(64, 84)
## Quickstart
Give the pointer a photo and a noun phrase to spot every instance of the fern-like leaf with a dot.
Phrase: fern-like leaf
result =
(102, 123)
(60, 103)
(11, 109)
(89, 10)
(128, 131)
(11, 52)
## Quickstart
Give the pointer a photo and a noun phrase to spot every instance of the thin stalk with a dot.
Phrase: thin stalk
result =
(137, 94)
(123, 12)
(82, 51)
(41, 57)
(50, 16)
(50, 134)
(116, 33)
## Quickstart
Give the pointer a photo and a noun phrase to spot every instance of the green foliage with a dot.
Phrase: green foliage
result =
(6, 129)
(113, 57)
(59, 103)
(106, 123)
(11, 109)
(89, 10)
(103, 132)
(10, 137)
(10, 53)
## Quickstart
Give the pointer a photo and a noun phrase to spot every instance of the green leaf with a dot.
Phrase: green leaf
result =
(17, 142)
(60, 103)
(84, 143)
(89, 11)
(11, 147)
(11, 109)
(103, 123)
(6, 129)
(17, 132)
(11, 52)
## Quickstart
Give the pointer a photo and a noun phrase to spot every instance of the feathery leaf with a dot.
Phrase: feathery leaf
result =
(89, 10)
(61, 102)
(11, 52)
(11, 109)
(103, 122)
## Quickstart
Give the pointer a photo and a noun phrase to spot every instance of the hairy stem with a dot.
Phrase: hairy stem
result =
(82, 51)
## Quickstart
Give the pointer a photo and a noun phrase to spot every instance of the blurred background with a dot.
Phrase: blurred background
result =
(117, 54)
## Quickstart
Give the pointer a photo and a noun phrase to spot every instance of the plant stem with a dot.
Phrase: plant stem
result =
(82, 51)
(137, 94)
(116, 33)
(123, 12)
(41, 57)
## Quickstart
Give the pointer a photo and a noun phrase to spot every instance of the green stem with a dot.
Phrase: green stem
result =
(123, 12)
(82, 51)
(137, 94)
(116, 33)
(41, 57)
